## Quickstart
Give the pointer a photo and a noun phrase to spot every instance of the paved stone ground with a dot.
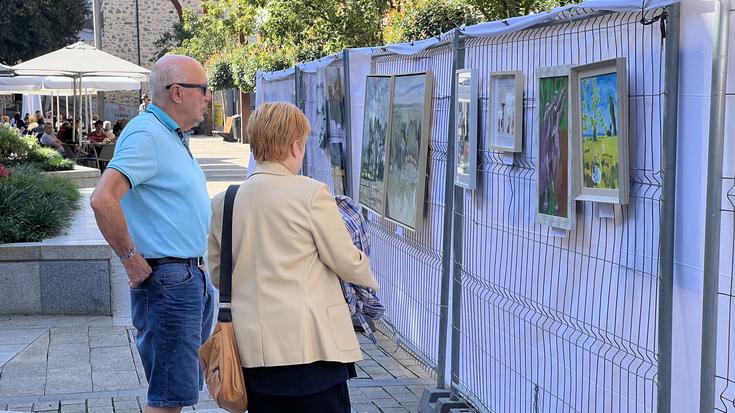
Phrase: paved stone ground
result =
(88, 365)
(68, 364)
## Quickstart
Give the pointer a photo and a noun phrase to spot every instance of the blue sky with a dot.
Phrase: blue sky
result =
(607, 84)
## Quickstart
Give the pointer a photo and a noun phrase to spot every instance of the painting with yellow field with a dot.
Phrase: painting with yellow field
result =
(600, 131)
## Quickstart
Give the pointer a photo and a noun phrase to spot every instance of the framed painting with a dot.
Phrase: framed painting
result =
(506, 111)
(336, 127)
(410, 130)
(600, 131)
(374, 142)
(465, 117)
(553, 155)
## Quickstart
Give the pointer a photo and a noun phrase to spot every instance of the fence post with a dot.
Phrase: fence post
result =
(430, 400)
(714, 205)
(457, 228)
(300, 103)
(668, 155)
(349, 190)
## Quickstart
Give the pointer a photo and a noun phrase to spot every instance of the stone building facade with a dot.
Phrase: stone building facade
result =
(120, 31)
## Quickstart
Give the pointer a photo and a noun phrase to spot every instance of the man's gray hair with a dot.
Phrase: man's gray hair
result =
(166, 71)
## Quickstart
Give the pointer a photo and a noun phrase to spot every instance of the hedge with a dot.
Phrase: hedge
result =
(18, 150)
(35, 206)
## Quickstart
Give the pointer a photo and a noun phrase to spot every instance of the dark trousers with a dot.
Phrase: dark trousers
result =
(335, 399)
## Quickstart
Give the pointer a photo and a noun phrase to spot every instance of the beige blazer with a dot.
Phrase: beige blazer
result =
(289, 245)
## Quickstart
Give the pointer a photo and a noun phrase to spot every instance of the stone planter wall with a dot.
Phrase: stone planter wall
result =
(81, 176)
(36, 278)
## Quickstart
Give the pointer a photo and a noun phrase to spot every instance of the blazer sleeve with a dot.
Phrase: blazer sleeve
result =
(215, 237)
(334, 243)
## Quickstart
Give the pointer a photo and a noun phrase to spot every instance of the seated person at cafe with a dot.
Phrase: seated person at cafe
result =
(41, 126)
(32, 124)
(119, 126)
(65, 133)
(98, 134)
(49, 139)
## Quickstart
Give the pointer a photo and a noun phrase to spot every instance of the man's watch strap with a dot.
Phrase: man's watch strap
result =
(129, 253)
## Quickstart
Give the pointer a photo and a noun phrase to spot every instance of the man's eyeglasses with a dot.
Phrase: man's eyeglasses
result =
(203, 86)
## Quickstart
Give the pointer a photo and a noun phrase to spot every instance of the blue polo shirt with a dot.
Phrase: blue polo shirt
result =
(167, 208)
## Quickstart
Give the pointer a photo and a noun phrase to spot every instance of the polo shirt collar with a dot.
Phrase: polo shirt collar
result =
(163, 117)
(270, 168)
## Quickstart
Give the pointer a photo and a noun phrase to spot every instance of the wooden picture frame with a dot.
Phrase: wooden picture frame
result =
(465, 121)
(600, 131)
(505, 117)
(553, 155)
(375, 134)
(407, 150)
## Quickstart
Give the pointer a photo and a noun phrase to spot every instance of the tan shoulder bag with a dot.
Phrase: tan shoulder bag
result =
(219, 356)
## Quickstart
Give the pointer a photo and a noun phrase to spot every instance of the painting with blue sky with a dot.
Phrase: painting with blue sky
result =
(599, 126)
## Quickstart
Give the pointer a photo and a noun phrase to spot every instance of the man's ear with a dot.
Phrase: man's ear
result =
(175, 94)
(296, 148)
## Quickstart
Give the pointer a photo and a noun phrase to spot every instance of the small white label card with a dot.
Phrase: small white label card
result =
(559, 233)
(399, 231)
(507, 157)
(605, 210)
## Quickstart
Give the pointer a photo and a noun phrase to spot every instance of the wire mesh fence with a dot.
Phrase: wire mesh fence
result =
(408, 264)
(560, 322)
(548, 321)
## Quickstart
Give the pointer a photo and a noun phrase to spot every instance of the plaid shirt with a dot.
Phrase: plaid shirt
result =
(363, 301)
(353, 219)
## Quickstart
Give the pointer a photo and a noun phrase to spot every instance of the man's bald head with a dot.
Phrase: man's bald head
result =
(167, 70)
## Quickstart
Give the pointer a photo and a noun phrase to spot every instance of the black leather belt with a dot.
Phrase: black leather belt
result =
(153, 262)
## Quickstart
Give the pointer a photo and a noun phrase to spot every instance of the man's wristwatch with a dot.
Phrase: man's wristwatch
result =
(129, 253)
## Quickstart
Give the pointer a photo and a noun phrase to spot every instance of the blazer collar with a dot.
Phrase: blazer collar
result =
(270, 168)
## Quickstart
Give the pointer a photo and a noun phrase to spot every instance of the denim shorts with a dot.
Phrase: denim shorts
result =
(173, 311)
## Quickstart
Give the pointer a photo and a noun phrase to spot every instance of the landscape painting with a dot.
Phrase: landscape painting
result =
(554, 205)
(407, 150)
(600, 133)
(336, 128)
(506, 111)
(374, 141)
(466, 128)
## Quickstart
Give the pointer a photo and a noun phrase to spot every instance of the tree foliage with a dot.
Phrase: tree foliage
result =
(235, 38)
(503, 9)
(421, 19)
(33, 28)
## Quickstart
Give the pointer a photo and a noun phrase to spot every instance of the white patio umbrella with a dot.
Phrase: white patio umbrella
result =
(5, 70)
(78, 61)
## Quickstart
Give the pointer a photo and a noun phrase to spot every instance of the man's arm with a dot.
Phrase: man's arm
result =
(105, 202)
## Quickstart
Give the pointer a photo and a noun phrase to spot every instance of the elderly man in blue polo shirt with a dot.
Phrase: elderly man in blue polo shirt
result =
(152, 207)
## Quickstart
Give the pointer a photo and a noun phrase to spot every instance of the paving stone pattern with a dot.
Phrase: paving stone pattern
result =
(95, 368)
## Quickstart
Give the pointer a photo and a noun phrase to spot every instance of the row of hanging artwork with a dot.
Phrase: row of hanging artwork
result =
(580, 139)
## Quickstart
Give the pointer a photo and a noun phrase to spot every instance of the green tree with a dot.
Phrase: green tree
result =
(421, 19)
(591, 115)
(503, 9)
(33, 28)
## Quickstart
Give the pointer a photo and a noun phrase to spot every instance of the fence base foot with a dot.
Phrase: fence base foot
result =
(435, 400)
(429, 398)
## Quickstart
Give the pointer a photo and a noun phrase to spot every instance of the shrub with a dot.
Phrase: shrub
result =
(13, 146)
(35, 206)
(40, 153)
(57, 164)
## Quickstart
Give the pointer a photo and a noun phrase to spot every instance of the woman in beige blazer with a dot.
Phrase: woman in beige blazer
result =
(289, 247)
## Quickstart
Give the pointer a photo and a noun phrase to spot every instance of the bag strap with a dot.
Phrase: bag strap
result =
(225, 265)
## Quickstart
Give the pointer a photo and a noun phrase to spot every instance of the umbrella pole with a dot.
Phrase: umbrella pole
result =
(58, 111)
(74, 121)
